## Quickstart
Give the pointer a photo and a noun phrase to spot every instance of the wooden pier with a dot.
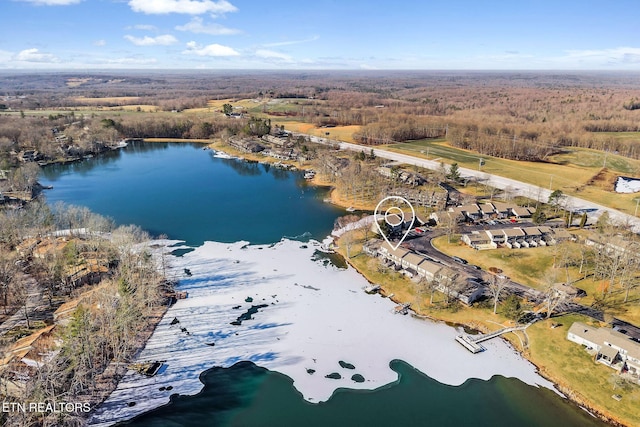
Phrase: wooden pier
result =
(402, 308)
(472, 342)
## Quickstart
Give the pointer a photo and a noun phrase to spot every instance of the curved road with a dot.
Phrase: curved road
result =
(517, 187)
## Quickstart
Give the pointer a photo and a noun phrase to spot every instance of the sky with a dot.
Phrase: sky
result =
(320, 34)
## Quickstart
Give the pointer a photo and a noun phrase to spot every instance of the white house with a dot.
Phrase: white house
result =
(613, 348)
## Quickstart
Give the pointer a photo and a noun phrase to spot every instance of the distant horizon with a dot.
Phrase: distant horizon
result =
(324, 35)
(314, 71)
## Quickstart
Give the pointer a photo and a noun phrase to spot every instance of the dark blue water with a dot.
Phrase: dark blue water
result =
(184, 192)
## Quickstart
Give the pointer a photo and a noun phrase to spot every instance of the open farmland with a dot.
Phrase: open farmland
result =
(574, 172)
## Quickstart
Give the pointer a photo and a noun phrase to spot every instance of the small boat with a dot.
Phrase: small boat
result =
(222, 155)
(372, 289)
(351, 209)
(149, 368)
(309, 175)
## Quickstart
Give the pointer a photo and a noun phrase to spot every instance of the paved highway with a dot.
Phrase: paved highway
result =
(423, 243)
(517, 188)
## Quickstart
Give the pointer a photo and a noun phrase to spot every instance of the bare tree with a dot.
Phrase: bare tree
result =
(8, 271)
(497, 284)
(431, 286)
(348, 240)
(448, 282)
(552, 296)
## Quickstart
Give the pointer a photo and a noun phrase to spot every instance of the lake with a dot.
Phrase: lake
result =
(188, 194)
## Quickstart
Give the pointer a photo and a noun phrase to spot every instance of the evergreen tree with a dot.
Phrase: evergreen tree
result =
(454, 172)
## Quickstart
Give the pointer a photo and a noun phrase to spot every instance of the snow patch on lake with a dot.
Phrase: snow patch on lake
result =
(315, 317)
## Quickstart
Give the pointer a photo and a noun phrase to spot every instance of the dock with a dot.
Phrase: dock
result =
(372, 289)
(472, 342)
(468, 343)
(402, 308)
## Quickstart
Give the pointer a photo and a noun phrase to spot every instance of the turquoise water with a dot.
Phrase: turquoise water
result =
(246, 395)
(184, 192)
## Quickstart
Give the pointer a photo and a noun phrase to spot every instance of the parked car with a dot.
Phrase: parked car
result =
(459, 260)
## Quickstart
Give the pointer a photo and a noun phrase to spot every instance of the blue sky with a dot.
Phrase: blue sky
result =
(322, 34)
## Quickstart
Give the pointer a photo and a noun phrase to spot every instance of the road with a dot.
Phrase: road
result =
(423, 246)
(423, 243)
(516, 187)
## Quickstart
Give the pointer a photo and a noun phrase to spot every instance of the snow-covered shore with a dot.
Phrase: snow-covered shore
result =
(315, 316)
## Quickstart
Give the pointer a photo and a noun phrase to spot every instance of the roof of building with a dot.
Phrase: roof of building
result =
(502, 207)
(604, 336)
(430, 266)
(487, 208)
(398, 252)
(413, 258)
(470, 208)
(609, 352)
(521, 211)
(513, 232)
(532, 231)
(477, 237)
(393, 220)
(495, 233)
(559, 233)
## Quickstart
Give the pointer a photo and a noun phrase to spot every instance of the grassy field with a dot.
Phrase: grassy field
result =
(406, 290)
(573, 172)
(527, 266)
(564, 362)
(104, 100)
(342, 133)
(623, 136)
(534, 267)
(572, 367)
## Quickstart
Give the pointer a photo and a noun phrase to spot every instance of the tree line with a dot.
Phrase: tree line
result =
(108, 326)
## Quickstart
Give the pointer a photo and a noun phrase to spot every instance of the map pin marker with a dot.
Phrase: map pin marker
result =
(393, 211)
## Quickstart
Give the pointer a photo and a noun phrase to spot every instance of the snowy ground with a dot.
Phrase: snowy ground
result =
(316, 316)
(627, 185)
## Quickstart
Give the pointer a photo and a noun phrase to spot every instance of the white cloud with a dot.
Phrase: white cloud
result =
(101, 42)
(5, 56)
(34, 55)
(368, 67)
(210, 50)
(132, 61)
(164, 40)
(196, 25)
(288, 43)
(618, 55)
(52, 2)
(191, 7)
(144, 27)
(270, 54)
